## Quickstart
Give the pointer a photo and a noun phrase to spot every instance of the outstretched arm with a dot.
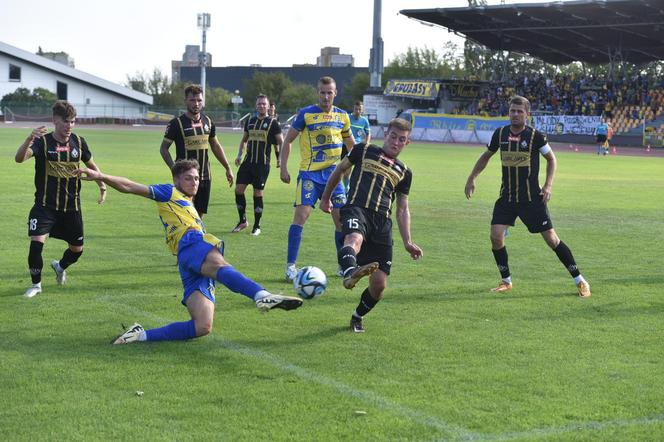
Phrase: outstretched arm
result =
(119, 183)
(480, 165)
(403, 221)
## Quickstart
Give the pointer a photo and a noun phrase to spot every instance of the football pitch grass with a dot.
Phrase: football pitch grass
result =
(442, 358)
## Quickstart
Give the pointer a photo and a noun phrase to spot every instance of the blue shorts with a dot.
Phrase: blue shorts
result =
(308, 192)
(192, 250)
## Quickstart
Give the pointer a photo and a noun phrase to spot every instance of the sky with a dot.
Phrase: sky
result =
(111, 39)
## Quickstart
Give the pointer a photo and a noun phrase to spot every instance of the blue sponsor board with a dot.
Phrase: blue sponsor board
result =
(457, 122)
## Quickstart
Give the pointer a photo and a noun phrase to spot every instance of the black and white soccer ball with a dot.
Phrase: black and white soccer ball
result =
(310, 282)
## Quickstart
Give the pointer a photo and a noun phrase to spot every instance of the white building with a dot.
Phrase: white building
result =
(92, 96)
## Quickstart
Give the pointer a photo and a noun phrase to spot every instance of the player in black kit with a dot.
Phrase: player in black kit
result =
(520, 195)
(57, 208)
(261, 132)
(377, 179)
(194, 135)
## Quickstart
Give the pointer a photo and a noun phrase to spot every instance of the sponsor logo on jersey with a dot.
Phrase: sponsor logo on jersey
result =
(515, 159)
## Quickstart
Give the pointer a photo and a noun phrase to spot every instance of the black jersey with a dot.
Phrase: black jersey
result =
(56, 185)
(376, 178)
(192, 140)
(519, 155)
(262, 135)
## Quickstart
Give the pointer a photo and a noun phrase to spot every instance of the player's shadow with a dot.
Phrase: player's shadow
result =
(296, 339)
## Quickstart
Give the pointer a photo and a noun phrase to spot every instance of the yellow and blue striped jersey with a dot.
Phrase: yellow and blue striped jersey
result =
(178, 215)
(321, 136)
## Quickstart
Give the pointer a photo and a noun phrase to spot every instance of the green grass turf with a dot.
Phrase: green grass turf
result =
(442, 358)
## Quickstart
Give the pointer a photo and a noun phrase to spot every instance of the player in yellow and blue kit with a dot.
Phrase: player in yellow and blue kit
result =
(200, 255)
(323, 129)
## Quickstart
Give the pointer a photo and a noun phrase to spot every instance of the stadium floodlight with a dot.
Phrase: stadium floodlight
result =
(376, 51)
(203, 25)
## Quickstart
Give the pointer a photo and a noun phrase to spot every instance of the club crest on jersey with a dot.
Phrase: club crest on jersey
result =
(524, 145)
(74, 153)
(264, 125)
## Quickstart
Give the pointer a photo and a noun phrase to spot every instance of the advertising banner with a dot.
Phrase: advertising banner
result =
(566, 124)
(458, 122)
(418, 89)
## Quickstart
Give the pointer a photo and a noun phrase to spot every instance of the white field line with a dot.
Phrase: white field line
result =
(453, 432)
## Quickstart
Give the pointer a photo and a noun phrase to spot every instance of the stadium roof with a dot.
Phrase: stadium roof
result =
(592, 31)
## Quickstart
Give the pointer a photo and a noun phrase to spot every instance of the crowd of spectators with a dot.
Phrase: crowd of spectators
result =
(568, 95)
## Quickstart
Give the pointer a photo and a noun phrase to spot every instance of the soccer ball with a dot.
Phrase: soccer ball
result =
(310, 282)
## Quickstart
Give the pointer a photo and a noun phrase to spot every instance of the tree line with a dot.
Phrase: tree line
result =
(471, 62)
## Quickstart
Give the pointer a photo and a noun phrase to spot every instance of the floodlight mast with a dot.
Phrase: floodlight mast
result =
(376, 52)
(203, 25)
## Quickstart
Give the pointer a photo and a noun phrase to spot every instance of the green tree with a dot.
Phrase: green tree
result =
(217, 98)
(23, 97)
(175, 98)
(426, 63)
(358, 86)
(156, 84)
(42, 95)
(272, 84)
(137, 82)
(297, 96)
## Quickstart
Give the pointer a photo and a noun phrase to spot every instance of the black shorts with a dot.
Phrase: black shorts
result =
(67, 226)
(601, 138)
(377, 232)
(202, 197)
(254, 174)
(535, 215)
